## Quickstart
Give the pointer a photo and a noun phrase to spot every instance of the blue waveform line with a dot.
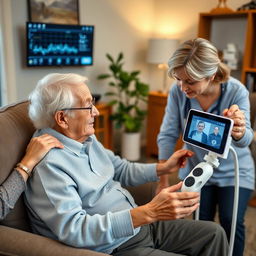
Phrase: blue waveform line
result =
(58, 48)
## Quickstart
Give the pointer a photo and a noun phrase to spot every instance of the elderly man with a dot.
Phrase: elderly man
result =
(198, 134)
(76, 196)
(214, 139)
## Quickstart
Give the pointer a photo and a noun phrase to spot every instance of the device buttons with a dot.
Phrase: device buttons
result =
(198, 172)
(197, 177)
(190, 181)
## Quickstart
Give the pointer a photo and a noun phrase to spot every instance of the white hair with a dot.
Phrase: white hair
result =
(52, 93)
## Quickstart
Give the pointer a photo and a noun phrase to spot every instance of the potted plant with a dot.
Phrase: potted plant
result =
(128, 92)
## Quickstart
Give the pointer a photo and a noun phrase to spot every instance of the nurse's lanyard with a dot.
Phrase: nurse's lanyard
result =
(215, 110)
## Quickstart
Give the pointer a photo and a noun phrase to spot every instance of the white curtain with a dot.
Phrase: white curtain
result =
(7, 60)
(1, 71)
(2, 84)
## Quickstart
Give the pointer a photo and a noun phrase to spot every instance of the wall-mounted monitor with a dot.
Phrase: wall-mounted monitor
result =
(59, 45)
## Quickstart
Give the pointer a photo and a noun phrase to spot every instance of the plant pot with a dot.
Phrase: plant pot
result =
(130, 148)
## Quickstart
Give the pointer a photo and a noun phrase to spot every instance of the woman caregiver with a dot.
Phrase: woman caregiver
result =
(204, 83)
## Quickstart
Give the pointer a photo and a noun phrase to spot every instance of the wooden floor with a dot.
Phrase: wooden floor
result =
(250, 222)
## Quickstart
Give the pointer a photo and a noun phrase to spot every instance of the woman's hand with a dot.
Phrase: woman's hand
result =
(176, 161)
(37, 148)
(238, 117)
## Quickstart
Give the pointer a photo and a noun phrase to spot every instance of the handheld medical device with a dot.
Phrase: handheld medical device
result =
(211, 133)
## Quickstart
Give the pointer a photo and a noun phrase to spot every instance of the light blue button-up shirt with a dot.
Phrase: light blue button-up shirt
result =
(75, 194)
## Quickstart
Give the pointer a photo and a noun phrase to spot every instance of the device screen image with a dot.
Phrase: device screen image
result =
(59, 45)
(207, 131)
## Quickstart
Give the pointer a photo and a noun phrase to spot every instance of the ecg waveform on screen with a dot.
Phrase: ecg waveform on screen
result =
(55, 49)
(59, 44)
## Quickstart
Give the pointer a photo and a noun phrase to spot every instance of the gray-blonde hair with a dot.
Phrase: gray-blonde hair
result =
(200, 60)
(52, 93)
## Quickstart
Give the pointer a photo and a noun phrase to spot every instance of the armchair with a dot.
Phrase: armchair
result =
(16, 238)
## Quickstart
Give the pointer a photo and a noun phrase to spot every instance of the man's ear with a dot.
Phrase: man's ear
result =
(61, 119)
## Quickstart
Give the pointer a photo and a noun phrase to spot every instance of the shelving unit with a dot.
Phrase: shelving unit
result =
(103, 130)
(220, 28)
(233, 27)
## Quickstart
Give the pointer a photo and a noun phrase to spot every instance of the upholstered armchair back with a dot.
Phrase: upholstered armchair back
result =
(16, 130)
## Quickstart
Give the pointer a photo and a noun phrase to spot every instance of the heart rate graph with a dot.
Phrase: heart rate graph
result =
(56, 44)
(55, 49)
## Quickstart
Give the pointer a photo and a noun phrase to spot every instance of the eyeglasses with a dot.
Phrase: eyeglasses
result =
(83, 108)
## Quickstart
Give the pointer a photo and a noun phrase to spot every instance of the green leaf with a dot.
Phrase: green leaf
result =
(120, 57)
(103, 76)
(113, 102)
(110, 94)
(114, 68)
(142, 88)
(135, 73)
(111, 84)
(109, 57)
(128, 95)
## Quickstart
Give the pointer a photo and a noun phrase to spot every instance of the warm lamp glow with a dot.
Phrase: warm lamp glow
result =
(159, 51)
(133, 17)
(166, 29)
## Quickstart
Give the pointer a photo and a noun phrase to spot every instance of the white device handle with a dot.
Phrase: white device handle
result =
(194, 182)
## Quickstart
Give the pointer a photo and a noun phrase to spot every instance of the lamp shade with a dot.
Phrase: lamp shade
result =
(160, 50)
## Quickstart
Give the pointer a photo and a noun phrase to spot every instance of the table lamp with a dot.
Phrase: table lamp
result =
(159, 51)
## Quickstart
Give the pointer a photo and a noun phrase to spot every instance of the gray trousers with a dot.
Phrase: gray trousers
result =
(176, 237)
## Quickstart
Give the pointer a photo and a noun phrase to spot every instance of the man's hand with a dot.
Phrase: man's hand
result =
(167, 205)
(174, 163)
(238, 117)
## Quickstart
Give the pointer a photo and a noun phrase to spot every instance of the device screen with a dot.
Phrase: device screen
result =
(207, 131)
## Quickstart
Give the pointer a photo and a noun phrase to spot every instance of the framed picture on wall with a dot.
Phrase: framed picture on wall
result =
(54, 11)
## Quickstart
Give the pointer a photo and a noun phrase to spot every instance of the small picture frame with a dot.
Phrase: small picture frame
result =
(56, 11)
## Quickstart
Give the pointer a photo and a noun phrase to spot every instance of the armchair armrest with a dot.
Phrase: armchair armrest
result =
(22, 243)
(17, 242)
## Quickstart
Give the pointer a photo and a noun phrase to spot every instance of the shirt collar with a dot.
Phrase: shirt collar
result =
(70, 144)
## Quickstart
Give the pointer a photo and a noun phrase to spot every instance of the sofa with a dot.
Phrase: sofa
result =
(16, 237)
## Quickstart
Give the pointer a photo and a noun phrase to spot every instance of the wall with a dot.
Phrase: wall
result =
(115, 31)
(179, 19)
(121, 25)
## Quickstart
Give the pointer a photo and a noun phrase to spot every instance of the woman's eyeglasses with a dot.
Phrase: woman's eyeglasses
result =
(83, 108)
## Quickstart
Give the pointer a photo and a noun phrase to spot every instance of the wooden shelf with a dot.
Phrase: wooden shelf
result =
(224, 14)
(253, 70)
(209, 23)
(230, 14)
(103, 125)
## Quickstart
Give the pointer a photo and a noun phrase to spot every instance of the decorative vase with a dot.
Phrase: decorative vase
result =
(130, 148)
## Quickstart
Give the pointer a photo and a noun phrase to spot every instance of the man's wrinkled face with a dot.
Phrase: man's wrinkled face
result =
(81, 122)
